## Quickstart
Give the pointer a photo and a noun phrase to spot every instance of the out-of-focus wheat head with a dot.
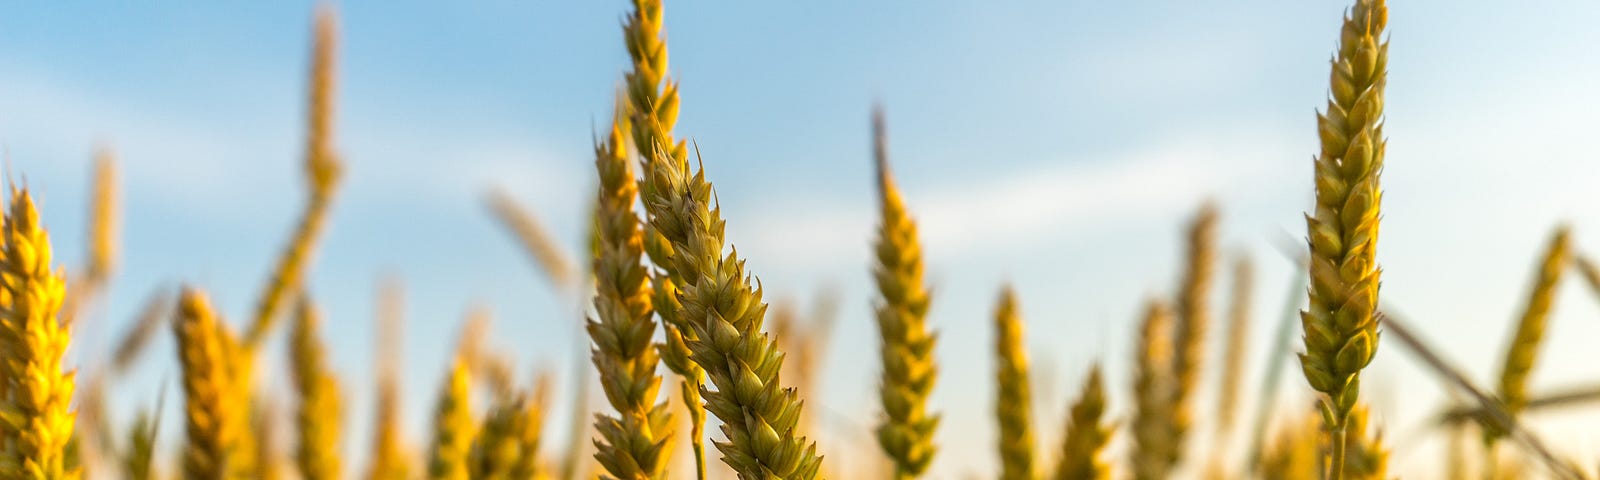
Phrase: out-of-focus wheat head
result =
(104, 219)
(535, 239)
(1341, 333)
(323, 169)
(453, 428)
(138, 459)
(1154, 450)
(1233, 360)
(636, 443)
(320, 408)
(1012, 401)
(1295, 452)
(1524, 347)
(1193, 318)
(906, 341)
(37, 421)
(1365, 456)
(1083, 448)
(217, 422)
(390, 461)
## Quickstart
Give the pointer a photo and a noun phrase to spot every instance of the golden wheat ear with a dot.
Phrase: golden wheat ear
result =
(320, 408)
(389, 457)
(1524, 346)
(216, 419)
(37, 385)
(1083, 448)
(1013, 407)
(1154, 451)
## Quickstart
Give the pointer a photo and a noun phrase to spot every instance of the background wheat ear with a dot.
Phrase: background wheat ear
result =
(906, 341)
(1341, 331)
(1012, 404)
(1192, 315)
(216, 420)
(1524, 347)
(1083, 448)
(453, 428)
(1154, 450)
(389, 459)
(320, 408)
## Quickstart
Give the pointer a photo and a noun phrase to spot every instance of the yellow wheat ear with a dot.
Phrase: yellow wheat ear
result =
(1341, 331)
(37, 424)
(453, 429)
(320, 409)
(1083, 449)
(217, 420)
(1524, 347)
(1012, 405)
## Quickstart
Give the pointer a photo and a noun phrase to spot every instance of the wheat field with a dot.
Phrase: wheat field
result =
(681, 358)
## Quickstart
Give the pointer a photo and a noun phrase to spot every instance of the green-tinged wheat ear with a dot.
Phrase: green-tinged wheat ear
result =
(909, 369)
(1341, 333)
(1233, 360)
(323, 169)
(38, 421)
(138, 459)
(529, 434)
(1193, 318)
(497, 447)
(1524, 347)
(653, 96)
(1154, 450)
(390, 460)
(636, 443)
(320, 410)
(217, 422)
(1083, 448)
(1012, 402)
(453, 428)
(1295, 452)
(1365, 456)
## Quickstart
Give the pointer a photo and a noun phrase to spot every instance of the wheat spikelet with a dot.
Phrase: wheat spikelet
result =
(1193, 318)
(636, 443)
(1153, 447)
(389, 458)
(1233, 361)
(453, 428)
(651, 94)
(1341, 334)
(215, 421)
(906, 341)
(1524, 347)
(1012, 402)
(38, 420)
(317, 453)
(534, 238)
(323, 170)
(1083, 448)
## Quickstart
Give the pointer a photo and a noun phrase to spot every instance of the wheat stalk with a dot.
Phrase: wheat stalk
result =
(323, 169)
(38, 419)
(156, 308)
(637, 442)
(1192, 312)
(138, 462)
(1153, 447)
(1083, 448)
(216, 422)
(1341, 335)
(317, 454)
(453, 429)
(1524, 347)
(1012, 403)
(907, 343)
(1233, 361)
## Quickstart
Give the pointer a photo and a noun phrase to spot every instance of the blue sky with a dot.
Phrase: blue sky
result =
(1055, 145)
